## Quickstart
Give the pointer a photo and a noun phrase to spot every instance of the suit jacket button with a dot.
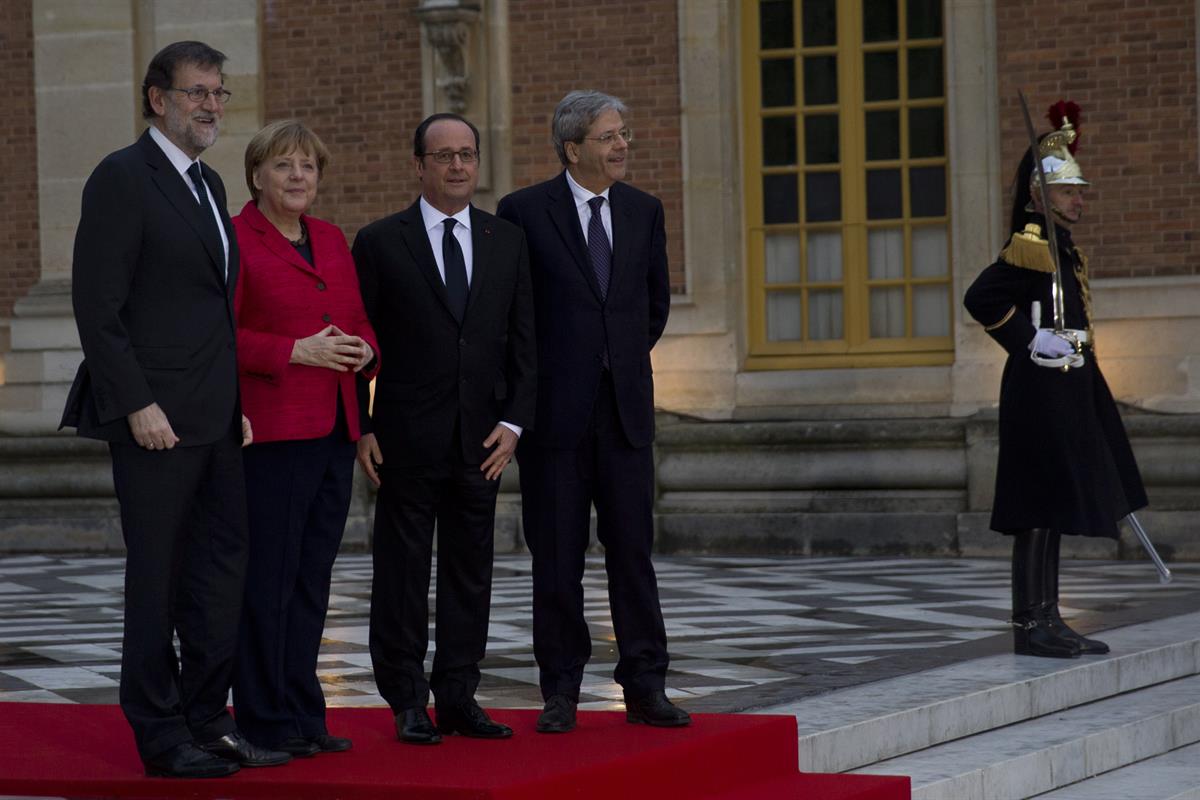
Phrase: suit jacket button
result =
(320, 286)
(325, 318)
(462, 342)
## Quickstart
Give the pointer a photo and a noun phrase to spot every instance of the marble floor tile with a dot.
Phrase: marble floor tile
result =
(744, 632)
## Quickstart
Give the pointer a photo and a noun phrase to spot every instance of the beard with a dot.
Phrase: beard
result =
(192, 138)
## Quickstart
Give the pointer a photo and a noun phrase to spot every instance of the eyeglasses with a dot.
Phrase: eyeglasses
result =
(447, 156)
(198, 94)
(611, 137)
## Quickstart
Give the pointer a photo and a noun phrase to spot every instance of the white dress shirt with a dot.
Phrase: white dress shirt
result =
(582, 208)
(435, 229)
(181, 162)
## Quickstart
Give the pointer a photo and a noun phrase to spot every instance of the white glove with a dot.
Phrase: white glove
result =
(1047, 343)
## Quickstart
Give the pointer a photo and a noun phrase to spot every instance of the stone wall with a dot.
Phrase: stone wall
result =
(831, 487)
(19, 253)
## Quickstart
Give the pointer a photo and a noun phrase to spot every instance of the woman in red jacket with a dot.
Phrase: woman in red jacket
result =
(303, 337)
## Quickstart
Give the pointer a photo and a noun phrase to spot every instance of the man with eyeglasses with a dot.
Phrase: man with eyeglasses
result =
(601, 294)
(446, 287)
(153, 278)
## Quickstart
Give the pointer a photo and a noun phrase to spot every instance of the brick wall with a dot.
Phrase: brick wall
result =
(1131, 65)
(627, 48)
(351, 72)
(19, 250)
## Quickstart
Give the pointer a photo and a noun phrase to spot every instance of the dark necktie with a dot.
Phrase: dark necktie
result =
(599, 250)
(206, 212)
(456, 270)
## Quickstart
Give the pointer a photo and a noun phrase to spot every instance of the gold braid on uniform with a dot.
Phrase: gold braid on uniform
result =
(1029, 250)
(1085, 290)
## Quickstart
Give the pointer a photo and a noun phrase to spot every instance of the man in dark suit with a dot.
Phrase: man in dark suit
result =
(446, 287)
(153, 282)
(599, 263)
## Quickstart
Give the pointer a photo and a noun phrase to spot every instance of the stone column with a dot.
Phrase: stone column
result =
(465, 70)
(89, 61)
(85, 108)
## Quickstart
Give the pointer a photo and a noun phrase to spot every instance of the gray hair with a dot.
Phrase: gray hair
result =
(574, 115)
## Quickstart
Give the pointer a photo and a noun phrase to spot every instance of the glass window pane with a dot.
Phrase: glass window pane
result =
(775, 24)
(885, 254)
(931, 310)
(887, 312)
(824, 256)
(780, 199)
(930, 256)
(783, 258)
(927, 191)
(883, 135)
(779, 141)
(924, 19)
(884, 199)
(820, 80)
(821, 139)
(925, 72)
(926, 133)
(783, 316)
(825, 315)
(823, 195)
(881, 23)
(881, 76)
(778, 82)
(820, 22)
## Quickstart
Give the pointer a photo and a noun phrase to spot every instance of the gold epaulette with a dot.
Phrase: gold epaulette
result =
(1029, 250)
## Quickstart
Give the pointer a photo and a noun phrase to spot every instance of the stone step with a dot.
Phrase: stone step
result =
(1171, 776)
(852, 728)
(1055, 750)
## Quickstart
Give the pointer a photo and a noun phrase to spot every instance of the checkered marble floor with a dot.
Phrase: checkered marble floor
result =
(744, 632)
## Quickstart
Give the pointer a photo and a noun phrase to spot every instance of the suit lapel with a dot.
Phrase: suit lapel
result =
(412, 230)
(481, 251)
(622, 220)
(274, 241)
(173, 187)
(566, 219)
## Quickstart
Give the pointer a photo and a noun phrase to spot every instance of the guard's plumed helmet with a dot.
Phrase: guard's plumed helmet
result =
(1057, 148)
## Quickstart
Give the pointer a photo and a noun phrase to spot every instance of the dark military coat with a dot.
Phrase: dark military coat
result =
(1065, 461)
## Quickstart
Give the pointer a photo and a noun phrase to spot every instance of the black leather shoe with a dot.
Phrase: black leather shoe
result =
(331, 744)
(558, 716)
(186, 760)
(236, 747)
(468, 719)
(414, 726)
(298, 747)
(655, 709)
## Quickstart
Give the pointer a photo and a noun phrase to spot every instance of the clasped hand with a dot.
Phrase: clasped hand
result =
(334, 349)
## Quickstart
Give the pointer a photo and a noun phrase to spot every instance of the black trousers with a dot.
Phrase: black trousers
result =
(558, 488)
(456, 498)
(183, 518)
(298, 496)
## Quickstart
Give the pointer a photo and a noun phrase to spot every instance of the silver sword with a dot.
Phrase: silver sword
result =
(1164, 574)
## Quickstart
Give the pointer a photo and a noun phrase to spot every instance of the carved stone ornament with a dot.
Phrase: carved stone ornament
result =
(447, 25)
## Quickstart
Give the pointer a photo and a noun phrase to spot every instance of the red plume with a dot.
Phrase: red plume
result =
(1070, 112)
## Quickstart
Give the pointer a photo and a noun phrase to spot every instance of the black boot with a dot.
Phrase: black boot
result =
(1032, 634)
(1057, 624)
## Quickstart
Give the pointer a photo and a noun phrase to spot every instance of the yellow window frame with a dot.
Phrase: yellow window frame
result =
(856, 348)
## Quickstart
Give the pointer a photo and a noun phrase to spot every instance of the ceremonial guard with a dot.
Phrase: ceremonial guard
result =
(1065, 464)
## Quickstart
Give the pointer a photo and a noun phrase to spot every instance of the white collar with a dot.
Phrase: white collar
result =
(581, 194)
(432, 217)
(179, 159)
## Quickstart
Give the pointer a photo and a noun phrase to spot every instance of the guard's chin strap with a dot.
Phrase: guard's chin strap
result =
(1062, 216)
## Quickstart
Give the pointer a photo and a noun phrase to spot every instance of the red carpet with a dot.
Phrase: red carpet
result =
(84, 751)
